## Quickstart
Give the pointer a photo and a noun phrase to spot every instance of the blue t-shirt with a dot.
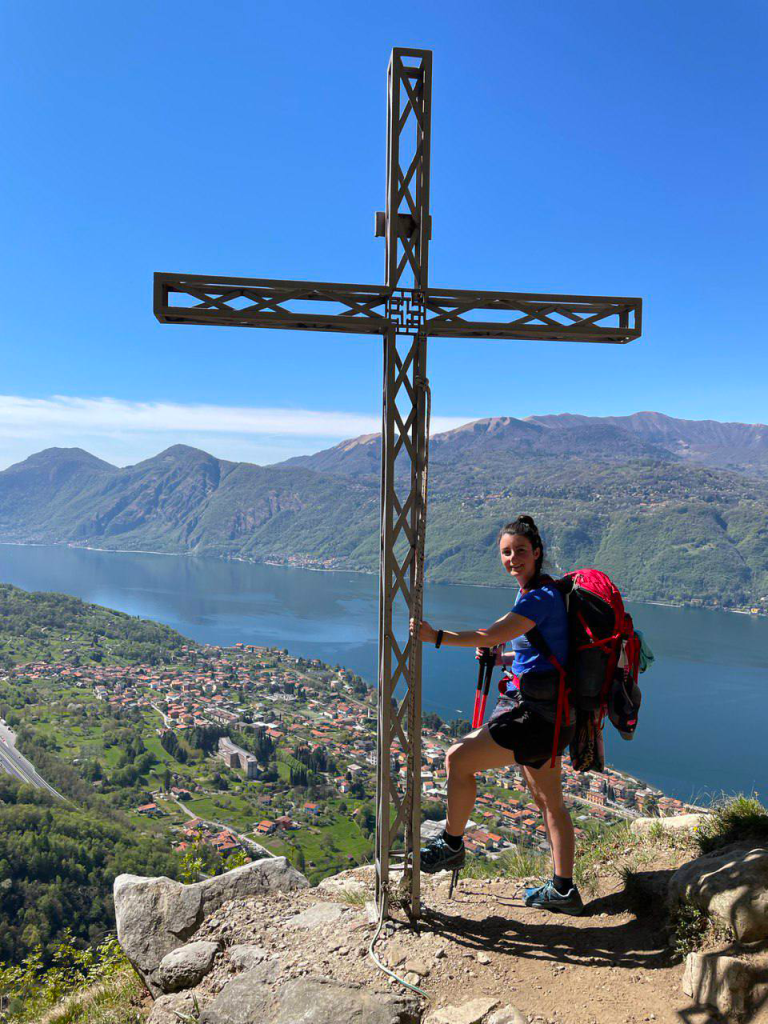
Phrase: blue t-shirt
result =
(545, 606)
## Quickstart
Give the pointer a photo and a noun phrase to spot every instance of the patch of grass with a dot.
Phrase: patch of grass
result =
(737, 819)
(636, 890)
(597, 851)
(517, 863)
(688, 923)
(117, 1001)
(672, 839)
(355, 897)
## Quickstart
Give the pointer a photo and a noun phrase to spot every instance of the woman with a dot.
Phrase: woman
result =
(521, 729)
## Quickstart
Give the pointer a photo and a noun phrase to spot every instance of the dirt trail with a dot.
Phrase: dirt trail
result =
(609, 966)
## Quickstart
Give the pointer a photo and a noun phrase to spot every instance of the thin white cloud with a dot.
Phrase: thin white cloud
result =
(44, 416)
(124, 431)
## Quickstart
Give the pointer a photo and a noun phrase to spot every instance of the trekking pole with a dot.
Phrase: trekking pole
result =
(490, 659)
(485, 671)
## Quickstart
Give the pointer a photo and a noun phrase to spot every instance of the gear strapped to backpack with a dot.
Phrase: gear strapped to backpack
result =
(600, 678)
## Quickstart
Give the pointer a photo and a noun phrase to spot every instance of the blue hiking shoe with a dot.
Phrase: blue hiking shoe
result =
(437, 855)
(546, 897)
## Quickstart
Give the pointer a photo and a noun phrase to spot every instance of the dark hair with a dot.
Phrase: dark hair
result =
(524, 526)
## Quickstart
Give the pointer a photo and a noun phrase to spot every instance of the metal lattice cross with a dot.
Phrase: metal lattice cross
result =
(405, 317)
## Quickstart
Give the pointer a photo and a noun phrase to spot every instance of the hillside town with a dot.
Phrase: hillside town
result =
(320, 724)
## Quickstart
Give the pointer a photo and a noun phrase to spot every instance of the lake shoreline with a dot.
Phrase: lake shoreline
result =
(361, 572)
(706, 687)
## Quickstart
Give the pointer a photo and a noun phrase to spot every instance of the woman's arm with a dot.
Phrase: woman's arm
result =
(501, 632)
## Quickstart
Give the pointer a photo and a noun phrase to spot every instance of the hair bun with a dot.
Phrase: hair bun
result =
(528, 520)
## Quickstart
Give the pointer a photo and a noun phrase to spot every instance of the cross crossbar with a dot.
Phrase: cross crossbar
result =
(363, 309)
(405, 317)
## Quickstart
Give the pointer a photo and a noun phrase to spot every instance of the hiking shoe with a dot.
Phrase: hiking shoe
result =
(546, 897)
(437, 855)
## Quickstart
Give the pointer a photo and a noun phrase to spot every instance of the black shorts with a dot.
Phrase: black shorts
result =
(529, 736)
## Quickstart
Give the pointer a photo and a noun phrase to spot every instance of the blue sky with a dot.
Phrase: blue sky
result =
(594, 147)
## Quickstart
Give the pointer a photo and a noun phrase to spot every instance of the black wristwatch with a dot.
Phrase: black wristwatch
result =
(439, 638)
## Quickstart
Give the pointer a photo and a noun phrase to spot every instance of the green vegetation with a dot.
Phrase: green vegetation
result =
(688, 924)
(57, 864)
(116, 1000)
(518, 863)
(736, 819)
(54, 627)
(334, 839)
(94, 979)
(58, 860)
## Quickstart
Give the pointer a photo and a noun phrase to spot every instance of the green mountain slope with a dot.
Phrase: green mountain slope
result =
(57, 865)
(58, 859)
(44, 625)
(619, 492)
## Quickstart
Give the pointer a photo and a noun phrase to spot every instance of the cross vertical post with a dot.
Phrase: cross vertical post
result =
(406, 227)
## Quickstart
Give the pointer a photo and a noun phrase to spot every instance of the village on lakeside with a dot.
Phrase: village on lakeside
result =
(319, 725)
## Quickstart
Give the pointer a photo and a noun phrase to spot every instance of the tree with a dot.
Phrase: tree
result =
(367, 818)
(433, 721)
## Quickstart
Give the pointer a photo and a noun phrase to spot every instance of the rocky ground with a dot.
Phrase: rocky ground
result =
(480, 956)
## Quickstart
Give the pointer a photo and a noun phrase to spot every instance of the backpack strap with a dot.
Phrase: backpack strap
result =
(563, 704)
(537, 640)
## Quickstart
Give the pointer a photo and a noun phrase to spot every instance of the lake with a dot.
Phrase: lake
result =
(702, 723)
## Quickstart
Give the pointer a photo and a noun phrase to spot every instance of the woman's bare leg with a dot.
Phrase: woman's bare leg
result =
(476, 752)
(546, 789)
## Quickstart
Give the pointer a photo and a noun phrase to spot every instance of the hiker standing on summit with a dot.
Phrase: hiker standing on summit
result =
(525, 727)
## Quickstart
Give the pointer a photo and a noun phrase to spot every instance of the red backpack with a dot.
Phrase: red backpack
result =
(600, 677)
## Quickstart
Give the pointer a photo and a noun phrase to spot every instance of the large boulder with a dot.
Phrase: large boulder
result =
(157, 915)
(729, 884)
(724, 983)
(186, 966)
(309, 1000)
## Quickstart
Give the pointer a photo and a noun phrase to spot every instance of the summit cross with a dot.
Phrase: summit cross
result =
(405, 315)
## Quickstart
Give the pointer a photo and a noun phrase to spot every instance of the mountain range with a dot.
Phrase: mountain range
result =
(675, 510)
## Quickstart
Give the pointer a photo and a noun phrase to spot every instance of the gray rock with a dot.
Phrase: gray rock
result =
(731, 885)
(186, 966)
(244, 956)
(473, 1012)
(506, 1015)
(273, 874)
(265, 973)
(309, 1000)
(170, 1009)
(417, 967)
(356, 880)
(728, 985)
(371, 912)
(157, 915)
(676, 823)
(318, 915)
(154, 916)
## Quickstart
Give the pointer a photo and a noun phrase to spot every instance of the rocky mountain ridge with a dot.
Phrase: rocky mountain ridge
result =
(667, 526)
